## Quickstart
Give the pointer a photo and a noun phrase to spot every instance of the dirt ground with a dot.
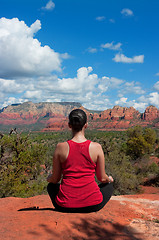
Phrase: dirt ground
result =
(127, 217)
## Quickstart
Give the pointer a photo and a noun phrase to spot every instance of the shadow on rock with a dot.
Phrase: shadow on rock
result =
(90, 229)
(36, 209)
(100, 229)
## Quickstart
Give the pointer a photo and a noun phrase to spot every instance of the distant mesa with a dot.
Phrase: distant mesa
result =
(48, 116)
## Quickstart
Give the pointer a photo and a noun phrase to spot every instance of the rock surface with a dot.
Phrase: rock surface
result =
(30, 113)
(151, 113)
(131, 217)
(53, 116)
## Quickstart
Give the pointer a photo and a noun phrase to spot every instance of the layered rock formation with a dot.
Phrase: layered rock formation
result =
(151, 113)
(31, 113)
(119, 113)
(53, 116)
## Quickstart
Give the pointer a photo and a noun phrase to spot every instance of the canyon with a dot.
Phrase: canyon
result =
(47, 116)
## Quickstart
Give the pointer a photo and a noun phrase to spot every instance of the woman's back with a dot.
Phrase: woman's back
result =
(78, 187)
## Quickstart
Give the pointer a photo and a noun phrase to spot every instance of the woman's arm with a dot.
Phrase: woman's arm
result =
(56, 170)
(100, 166)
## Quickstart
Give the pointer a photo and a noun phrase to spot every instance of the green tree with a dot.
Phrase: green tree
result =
(20, 166)
(150, 137)
(118, 165)
(140, 141)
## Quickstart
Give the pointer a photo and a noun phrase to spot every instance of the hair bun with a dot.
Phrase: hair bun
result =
(77, 119)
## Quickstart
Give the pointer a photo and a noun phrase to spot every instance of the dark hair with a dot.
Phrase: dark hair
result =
(77, 119)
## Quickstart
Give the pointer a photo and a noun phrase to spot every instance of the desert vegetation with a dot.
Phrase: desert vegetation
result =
(26, 159)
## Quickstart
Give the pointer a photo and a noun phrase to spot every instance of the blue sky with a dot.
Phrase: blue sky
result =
(99, 53)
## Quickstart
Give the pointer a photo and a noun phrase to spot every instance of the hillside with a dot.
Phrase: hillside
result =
(34, 115)
(48, 116)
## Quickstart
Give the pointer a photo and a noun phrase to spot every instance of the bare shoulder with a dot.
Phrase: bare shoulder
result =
(95, 145)
(62, 150)
(61, 146)
(95, 150)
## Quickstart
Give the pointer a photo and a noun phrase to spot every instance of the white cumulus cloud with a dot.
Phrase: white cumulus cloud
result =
(154, 99)
(132, 87)
(84, 81)
(127, 12)
(137, 104)
(92, 50)
(49, 6)
(119, 57)
(9, 86)
(21, 54)
(106, 83)
(121, 101)
(112, 20)
(140, 106)
(112, 46)
(100, 18)
(13, 100)
(147, 100)
(156, 86)
(36, 94)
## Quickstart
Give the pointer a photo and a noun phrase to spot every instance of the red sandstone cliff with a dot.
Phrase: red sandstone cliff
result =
(53, 116)
(31, 113)
(151, 113)
(118, 113)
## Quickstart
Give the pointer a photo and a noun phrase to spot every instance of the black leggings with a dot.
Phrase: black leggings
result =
(105, 188)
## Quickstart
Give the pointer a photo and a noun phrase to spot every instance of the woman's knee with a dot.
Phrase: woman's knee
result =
(49, 187)
(53, 188)
(107, 191)
(108, 187)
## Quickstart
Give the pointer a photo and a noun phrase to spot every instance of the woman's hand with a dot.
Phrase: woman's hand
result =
(49, 177)
(110, 179)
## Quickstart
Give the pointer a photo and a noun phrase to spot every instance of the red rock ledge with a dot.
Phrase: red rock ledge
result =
(123, 218)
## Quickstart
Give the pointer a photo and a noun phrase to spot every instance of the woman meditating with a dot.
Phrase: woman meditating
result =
(76, 162)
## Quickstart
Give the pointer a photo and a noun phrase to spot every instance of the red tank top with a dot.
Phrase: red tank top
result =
(78, 187)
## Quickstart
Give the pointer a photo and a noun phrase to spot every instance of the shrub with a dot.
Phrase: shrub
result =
(140, 141)
(119, 166)
(20, 166)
